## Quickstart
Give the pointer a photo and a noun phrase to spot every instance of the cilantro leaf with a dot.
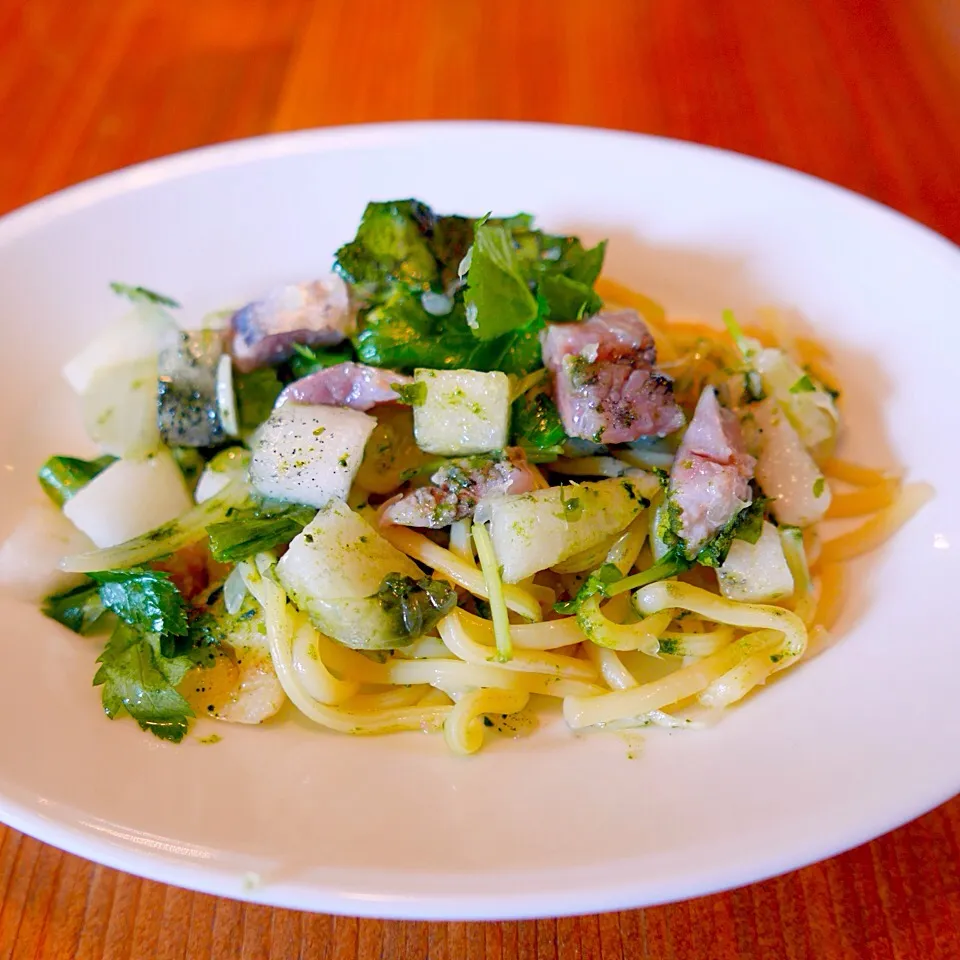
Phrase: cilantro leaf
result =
(77, 609)
(255, 530)
(143, 295)
(145, 599)
(63, 477)
(497, 296)
(138, 679)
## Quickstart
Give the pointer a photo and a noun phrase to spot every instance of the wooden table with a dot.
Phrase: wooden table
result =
(863, 93)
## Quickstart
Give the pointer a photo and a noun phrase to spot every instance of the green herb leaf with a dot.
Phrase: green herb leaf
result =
(143, 295)
(597, 583)
(818, 486)
(77, 609)
(413, 394)
(746, 525)
(145, 599)
(62, 477)
(138, 679)
(563, 298)
(256, 529)
(536, 424)
(396, 330)
(804, 385)
(498, 296)
(307, 360)
(392, 245)
(256, 393)
(417, 604)
(191, 464)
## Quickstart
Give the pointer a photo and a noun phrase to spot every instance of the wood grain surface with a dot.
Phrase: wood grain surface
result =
(866, 94)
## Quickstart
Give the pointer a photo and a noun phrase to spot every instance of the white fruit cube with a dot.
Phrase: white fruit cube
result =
(756, 572)
(130, 497)
(461, 411)
(309, 453)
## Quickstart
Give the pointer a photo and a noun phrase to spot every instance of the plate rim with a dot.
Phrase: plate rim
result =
(80, 838)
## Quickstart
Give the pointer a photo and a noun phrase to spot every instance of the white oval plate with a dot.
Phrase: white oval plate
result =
(841, 749)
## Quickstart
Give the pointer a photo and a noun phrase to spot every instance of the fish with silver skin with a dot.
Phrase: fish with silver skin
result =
(317, 313)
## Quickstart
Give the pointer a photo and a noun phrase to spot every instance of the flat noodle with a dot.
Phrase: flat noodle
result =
(854, 473)
(610, 667)
(457, 636)
(387, 699)
(830, 603)
(737, 682)
(863, 501)
(684, 683)
(463, 730)
(879, 528)
(547, 635)
(695, 644)
(315, 678)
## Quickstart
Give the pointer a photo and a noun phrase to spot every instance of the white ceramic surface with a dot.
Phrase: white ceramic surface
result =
(843, 748)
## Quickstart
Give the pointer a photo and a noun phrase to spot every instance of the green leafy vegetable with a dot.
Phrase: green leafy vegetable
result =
(62, 477)
(418, 605)
(536, 425)
(584, 264)
(418, 314)
(412, 394)
(746, 525)
(137, 678)
(150, 650)
(307, 360)
(818, 486)
(804, 385)
(77, 609)
(566, 299)
(256, 529)
(597, 583)
(191, 464)
(497, 296)
(392, 244)
(146, 599)
(143, 295)
(256, 392)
